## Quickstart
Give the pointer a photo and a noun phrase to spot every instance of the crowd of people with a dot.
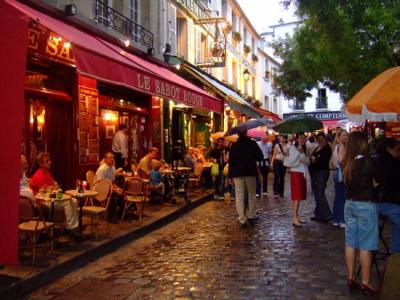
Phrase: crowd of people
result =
(364, 177)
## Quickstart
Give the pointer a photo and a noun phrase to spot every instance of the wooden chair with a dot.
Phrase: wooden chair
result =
(104, 189)
(33, 224)
(90, 175)
(134, 194)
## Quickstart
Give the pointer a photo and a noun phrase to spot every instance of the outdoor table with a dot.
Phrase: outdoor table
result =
(46, 198)
(80, 197)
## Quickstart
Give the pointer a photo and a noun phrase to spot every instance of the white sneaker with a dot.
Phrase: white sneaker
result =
(257, 195)
(335, 224)
(342, 225)
(264, 194)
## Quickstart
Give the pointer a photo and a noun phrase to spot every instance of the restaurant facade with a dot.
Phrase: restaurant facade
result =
(71, 89)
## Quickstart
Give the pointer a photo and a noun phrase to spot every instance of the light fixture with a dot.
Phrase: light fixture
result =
(396, 51)
(127, 43)
(67, 45)
(246, 75)
(178, 67)
(70, 10)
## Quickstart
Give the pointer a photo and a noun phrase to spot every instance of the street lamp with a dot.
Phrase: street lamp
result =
(246, 75)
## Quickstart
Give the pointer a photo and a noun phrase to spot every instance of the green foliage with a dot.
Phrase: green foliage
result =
(343, 44)
(254, 58)
(246, 49)
(237, 37)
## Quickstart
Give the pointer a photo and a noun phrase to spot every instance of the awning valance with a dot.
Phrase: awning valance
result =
(107, 62)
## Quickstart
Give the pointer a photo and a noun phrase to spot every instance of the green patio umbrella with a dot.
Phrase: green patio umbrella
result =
(298, 124)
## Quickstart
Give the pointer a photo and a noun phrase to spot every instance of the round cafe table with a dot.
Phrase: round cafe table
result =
(46, 198)
(81, 197)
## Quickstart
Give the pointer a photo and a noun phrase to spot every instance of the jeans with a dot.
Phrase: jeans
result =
(241, 185)
(338, 204)
(319, 179)
(119, 161)
(219, 184)
(279, 177)
(264, 172)
(392, 212)
(361, 225)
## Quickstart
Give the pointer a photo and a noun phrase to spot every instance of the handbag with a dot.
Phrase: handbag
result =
(215, 170)
(225, 171)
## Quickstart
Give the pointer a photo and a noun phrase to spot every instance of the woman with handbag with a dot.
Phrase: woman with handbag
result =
(339, 152)
(297, 162)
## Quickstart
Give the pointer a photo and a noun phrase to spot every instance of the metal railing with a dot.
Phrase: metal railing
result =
(195, 7)
(109, 17)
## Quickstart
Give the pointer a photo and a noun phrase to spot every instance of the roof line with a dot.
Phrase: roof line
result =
(244, 16)
(288, 23)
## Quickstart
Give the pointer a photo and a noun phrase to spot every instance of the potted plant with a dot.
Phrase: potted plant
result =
(254, 58)
(227, 28)
(246, 49)
(237, 37)
(257, 103)
(250, 99)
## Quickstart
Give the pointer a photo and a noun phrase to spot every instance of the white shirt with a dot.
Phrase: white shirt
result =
(120, 143)
(105, 172)
(266, 149)
(298, 160)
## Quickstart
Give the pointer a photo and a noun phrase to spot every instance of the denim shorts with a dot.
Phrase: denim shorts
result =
(361, 225)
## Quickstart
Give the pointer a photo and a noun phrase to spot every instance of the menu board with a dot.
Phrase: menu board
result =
(88, 125)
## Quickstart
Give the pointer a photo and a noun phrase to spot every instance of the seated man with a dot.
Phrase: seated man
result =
(107, 171)
(43, 179)
(144, 166)
(24, 189)
(190, 159)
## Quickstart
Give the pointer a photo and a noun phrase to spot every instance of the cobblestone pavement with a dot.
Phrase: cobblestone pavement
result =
(205, 255)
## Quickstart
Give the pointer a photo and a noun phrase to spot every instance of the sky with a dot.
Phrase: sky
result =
(263, 13)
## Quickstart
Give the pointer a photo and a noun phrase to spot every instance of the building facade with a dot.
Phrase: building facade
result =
(322, 99)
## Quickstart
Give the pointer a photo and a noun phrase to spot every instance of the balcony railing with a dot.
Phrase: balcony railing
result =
(109, 17)
(195, 7)
(322, 103)
(298, 105)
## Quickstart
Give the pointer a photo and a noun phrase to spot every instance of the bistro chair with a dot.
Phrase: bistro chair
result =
(104, 189)
(32, 224)
(134, 194)
(195, 176)
(90, 175)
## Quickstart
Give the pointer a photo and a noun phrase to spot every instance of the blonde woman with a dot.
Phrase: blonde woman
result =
(339, 152)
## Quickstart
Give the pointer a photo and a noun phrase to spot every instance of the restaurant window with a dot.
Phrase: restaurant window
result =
(103, 15)
(234, 22)
(204, 47)
(322, 100)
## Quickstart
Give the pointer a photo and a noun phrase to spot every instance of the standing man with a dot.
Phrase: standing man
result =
(281, 150)
(120, 146)
(319, 169)
(243, 158)
(266, 149)
(217, 153)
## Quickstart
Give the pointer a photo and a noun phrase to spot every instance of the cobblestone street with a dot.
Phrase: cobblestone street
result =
(206, 255)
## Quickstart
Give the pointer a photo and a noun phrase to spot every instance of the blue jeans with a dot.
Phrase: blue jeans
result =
(338, 204)
(322, 210)
(392, 212)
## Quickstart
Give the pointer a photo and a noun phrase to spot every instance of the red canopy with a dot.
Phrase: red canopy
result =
(267, 114)
(110, 63)
(14, 34)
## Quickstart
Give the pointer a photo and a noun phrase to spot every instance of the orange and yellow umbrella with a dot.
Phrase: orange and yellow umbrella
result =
(379, 100)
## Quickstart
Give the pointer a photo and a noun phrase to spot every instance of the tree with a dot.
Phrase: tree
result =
(342, 44)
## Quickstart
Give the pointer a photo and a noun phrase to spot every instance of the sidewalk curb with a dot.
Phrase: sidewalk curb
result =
(25, 286)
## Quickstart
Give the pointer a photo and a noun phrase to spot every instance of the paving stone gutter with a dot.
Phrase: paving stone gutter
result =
(29, 284)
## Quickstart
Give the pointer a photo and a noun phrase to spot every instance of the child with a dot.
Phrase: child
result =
(155, 177)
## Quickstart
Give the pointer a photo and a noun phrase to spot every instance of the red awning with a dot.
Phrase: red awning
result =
(267, 114)
(331, 124)
(110, 63)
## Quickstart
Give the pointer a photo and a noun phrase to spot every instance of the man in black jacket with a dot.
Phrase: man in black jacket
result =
(319, 171)
(243, 170)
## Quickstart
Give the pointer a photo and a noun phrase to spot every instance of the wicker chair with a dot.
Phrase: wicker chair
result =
(33, 224)
(134, 194)
(90, 175)
(104, 189)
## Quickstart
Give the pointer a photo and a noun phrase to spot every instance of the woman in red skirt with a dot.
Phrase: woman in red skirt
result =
(297, 163)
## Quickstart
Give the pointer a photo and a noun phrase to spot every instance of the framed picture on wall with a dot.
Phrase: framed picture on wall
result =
(110, 131)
